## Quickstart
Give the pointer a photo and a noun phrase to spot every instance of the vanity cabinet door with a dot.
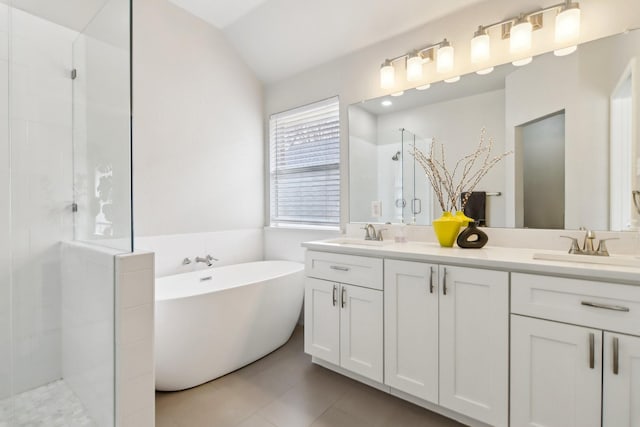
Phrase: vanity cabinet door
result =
(411, 328)
(474, 343)
(556, 374)
(322, 320)
(621, 383)
(361, 331)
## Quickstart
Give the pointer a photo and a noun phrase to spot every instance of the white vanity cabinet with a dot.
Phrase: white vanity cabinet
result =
(344, 311)
(574, 359)
(446, 337)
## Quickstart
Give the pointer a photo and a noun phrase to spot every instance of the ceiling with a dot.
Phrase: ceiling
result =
(279, 38)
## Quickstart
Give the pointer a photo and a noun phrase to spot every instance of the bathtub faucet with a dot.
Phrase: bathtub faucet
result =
(207, 260)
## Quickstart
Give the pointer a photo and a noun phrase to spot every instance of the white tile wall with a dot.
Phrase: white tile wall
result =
(230, 247)
(134, 340)
(37, 76)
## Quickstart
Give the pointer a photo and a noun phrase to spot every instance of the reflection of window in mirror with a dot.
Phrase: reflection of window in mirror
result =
(623, 171)
(542, 167)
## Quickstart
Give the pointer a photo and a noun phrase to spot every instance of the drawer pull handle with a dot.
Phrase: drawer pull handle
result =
(605, 306)
(444, 282)
(592, 350)
(339, 268)
(343, 297)
(335, 295)
(431, 280)
(616, 356)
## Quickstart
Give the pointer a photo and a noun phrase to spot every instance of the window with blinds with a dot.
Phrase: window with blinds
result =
(305, 165)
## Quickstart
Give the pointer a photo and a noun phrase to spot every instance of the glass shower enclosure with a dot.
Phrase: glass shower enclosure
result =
(65, 206)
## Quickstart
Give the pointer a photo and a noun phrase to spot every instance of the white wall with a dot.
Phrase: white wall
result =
(363, 175)
(198, 130)
(229, 247)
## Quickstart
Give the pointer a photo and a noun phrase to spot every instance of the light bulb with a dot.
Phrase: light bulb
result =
(480, 46)
(414, 67)
(444, 61)
(568, 24)
(387, 75)
(520, 37)
(386, 103)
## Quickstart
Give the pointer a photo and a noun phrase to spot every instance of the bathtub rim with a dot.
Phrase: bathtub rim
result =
(248, 283)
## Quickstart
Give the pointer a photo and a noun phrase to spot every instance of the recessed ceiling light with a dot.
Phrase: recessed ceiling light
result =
(386, 103)
(423, 87)
(398, 93)
(452, 79)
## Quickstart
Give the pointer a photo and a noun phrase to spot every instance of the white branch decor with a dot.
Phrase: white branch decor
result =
(472, 167)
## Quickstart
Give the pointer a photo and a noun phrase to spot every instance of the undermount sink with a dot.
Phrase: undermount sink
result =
(622, 261)
(358, 242)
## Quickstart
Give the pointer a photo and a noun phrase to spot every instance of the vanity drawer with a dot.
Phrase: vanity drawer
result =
(355, 270)
(600, 305)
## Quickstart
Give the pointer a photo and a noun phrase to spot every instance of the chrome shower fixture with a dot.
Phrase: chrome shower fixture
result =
(396, 156)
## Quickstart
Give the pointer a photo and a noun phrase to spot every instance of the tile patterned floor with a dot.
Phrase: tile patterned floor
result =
(284, 389)
(52, 405)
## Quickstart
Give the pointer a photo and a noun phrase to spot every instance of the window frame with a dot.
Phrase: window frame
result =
(272, 220)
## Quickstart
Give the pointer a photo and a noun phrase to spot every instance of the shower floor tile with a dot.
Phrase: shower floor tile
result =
(284, 389)
(52, 405)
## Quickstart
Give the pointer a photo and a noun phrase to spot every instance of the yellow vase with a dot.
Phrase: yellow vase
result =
(447, 228)
(465, 220)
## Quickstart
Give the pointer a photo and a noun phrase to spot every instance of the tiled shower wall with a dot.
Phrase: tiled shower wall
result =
(35, 80)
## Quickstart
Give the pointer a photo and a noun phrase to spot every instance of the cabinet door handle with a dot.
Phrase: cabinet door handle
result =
(335, 295)
(431, 280)
(592, 350)
(444, 282)
(616, 356)
(605, 306)
(343, 297)
(339, 268)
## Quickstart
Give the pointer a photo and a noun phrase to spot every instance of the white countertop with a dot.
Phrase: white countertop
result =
(500, 258)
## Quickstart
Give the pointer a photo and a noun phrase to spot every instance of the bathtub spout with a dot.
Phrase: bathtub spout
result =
(207, 260)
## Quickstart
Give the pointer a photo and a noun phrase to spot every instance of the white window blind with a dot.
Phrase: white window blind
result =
(305, 165)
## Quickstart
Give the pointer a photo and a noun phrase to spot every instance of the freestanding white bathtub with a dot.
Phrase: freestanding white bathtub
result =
(211, 322)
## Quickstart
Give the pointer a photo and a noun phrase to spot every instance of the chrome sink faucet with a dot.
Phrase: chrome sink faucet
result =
(588, 246)
(371, 234)
(207, 260)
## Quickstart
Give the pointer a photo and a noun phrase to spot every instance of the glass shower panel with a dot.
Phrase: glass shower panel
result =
(101, 129)
(416, 189)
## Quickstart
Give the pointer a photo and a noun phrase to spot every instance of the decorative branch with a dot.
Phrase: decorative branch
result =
(445, 186)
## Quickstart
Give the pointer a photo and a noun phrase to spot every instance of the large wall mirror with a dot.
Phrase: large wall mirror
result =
(571, 122)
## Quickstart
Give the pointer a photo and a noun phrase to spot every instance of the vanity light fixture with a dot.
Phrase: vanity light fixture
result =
(387, 75)
(521, 36)
(414, 62)
(414, 67)
(445, 55)
(519, 30)
(480, 46)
